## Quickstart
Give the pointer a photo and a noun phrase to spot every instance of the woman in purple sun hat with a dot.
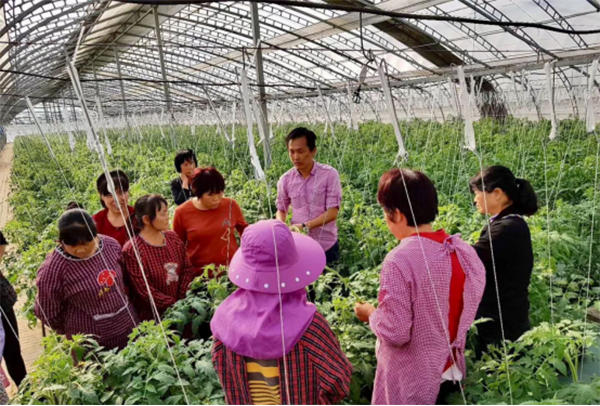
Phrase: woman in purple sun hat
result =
(268, 320)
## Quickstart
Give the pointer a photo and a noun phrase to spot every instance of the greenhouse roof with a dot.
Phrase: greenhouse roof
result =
(201, 47)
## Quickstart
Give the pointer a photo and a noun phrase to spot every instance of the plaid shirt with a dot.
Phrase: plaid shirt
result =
(86, 296)
(318, 371)
(167, 270)
(412, 345)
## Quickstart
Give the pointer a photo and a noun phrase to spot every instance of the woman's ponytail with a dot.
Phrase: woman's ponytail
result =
(518, 190)
(526, 201)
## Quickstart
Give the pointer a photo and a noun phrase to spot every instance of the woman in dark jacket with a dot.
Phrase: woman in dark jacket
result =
(510, 263)
(185, 163)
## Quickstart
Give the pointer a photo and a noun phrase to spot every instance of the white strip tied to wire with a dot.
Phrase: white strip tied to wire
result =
(327, 116)
(523, 88)
(258, 116)
(193, 128)
(454, 102)
(549, 69)
(72, 141)
(258, 171)
(159, 121)
(590, 117)
(387, 95)
(466, 108)
(352, 122)
(103, 126)
(514, 89)
(233, 120)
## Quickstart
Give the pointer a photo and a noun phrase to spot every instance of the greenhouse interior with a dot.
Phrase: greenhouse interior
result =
(300, 202)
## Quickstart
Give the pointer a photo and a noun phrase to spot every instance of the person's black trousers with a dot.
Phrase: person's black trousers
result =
(12, 348)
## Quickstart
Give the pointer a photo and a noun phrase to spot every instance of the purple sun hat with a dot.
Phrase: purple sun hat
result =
(301, 259)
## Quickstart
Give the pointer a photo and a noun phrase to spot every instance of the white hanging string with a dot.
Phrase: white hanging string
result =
(70, 135)
(466, 108)
(387, 95)
(590, 258)
(102, 126)
(329, 124)
(233, 120)
(549, 70)
(285, 370)
(514, 89)
(258, 171)
(352, 121)
(590, 112)
(193, 127)
(455, 102)
(489, 228)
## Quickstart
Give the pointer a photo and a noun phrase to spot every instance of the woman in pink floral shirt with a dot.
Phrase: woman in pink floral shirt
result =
(431, 286)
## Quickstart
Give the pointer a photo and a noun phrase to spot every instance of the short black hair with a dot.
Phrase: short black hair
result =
(76, 227)
(183, 156)
(207, 180)
(73, 205)
(519, 191)
(120, 180)
(148, 205)
(402, 189)
(299, 132)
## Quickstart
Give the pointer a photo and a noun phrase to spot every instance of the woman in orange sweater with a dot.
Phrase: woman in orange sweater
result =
(207, 222)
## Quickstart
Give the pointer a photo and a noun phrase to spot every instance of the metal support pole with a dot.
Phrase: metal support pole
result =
(121, 83)
(162, 60)
(260, 79)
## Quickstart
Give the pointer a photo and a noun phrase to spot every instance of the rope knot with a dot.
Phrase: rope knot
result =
(449, 243)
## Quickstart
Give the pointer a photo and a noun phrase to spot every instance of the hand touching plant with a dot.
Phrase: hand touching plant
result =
(363, 311)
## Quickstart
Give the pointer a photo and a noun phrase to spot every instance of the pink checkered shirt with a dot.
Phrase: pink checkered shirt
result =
(310, 198)
(412, 348)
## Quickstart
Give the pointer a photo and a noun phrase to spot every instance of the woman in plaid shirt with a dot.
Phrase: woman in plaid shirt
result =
(431, 286)
(80, 284)
(163, 259)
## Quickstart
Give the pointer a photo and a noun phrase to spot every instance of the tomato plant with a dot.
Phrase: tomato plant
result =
(543, 366)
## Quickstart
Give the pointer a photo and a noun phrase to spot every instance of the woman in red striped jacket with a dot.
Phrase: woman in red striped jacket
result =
(272, 347)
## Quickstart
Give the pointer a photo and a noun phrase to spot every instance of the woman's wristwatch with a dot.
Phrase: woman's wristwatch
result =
(305, 227)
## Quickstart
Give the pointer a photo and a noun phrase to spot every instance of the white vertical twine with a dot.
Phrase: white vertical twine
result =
(590, 112)
(466, 108)
(258, 171)
(549, 70)
(387, 95)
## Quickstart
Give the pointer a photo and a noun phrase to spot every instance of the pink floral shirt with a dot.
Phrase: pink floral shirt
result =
(310, 198)
(412, 348)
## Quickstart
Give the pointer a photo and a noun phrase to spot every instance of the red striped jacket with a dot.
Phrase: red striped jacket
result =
(318, 371)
